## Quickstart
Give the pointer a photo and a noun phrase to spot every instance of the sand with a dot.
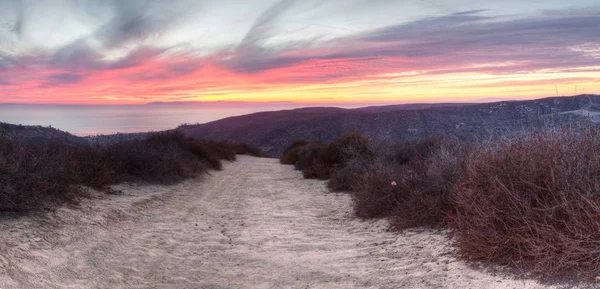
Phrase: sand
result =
(256, 224)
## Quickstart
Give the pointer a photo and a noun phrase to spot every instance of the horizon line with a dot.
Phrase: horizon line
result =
(232, 102)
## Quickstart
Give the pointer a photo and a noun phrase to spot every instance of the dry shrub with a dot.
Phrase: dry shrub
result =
(341, 159)
(307, 154)
(426, 183)
(345, 148)
(31, 175)
(226, 150)
(404, 153)
(211, 152)
(246, 149)
(533, 202)
(162, 158)
(374, 195)
(318, 170)
(290, 154)
(412, 184)
(34, 175)
(344, 179)
(319, 161)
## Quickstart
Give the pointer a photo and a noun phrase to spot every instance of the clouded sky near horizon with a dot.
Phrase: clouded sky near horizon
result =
(113, 51)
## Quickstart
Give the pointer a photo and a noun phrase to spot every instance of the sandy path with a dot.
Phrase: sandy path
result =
(256, 224)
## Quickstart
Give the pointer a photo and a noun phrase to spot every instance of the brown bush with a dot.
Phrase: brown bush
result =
(374, 195)
(414, 189)
(245, 149)
(319, 161)
(423, 174)
(345, 148)
(426, 184)
(533, 202)
(305, 157)
(34, 175)
(308, 154)
(211, 152)
(228, 150)
(31, 175)
(404, 153)
(344, 179)
(290, 154)
(318, 170)
(162, 158)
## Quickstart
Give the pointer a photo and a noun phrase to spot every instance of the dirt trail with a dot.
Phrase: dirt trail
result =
(257, 224)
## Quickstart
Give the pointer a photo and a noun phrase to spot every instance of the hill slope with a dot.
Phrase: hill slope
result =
(34, 134)
(272, 131)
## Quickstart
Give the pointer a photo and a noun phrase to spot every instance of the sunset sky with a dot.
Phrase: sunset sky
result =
(308, 51)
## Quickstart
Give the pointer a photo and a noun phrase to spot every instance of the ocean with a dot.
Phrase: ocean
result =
(84, 120)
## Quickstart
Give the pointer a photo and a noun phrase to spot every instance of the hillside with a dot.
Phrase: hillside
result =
(111, 139)
(272, 131)
(36, 134)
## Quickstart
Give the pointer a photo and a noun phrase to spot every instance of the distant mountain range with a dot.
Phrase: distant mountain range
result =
(273, 131)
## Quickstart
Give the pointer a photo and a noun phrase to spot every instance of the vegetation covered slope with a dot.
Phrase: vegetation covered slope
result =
(35, 174)
(37, 134)
(273, 131)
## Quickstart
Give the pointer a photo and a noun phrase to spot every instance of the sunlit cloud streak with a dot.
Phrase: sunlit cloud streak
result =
(122, 52)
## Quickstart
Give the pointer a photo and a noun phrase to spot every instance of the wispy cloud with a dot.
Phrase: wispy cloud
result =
(121, 56)
(468, 39)
(138, 20)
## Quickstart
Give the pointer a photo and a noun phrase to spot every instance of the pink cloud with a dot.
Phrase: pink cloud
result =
(446, 45)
